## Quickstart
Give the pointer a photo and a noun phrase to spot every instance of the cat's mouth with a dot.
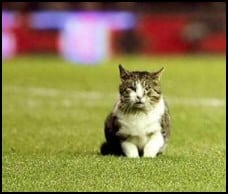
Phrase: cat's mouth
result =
(139, 104)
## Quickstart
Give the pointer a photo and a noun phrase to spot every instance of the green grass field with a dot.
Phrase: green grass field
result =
(53, 115)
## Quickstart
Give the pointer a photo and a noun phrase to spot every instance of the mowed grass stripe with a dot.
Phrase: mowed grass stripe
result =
(102, 96)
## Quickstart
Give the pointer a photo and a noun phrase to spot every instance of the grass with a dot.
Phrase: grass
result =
(53, 115)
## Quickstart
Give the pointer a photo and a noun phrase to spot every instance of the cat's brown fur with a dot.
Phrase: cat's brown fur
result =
(152, 90)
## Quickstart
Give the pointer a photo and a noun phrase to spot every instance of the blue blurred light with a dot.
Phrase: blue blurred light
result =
(8, 20)
(56, 19)
(84, 41)
(85, 38)
(8, 38)
(8, 45)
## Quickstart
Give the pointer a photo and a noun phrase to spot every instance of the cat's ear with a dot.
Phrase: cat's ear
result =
(157, 74)
(123, 72)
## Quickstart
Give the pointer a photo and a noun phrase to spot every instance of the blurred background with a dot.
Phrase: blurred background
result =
(90, 32)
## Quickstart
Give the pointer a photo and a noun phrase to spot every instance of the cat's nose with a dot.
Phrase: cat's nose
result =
(138, 98)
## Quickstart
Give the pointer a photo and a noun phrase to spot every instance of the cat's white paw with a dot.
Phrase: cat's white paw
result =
(133, 156)
(130, 150)
(150, 153)
(152, 148)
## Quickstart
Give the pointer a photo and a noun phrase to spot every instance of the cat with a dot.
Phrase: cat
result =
(139, 124)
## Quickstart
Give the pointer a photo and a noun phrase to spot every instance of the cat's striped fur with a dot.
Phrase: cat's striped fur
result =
(139, 124)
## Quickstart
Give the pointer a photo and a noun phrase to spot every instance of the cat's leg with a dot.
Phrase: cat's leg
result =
(111, 148)
(130, 150)
(154, 145)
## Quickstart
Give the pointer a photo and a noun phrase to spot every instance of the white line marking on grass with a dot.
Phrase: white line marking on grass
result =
(101, 96)
(52, 92)
(203, 101)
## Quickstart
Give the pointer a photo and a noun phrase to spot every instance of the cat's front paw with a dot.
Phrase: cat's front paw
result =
(132, 156)
(152, 148)
(130, 150)
(149, 155)
(150, 152)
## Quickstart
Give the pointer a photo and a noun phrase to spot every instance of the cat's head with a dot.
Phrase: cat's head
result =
(139, 89)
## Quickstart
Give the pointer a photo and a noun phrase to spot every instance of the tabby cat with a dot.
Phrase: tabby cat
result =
(139, 124)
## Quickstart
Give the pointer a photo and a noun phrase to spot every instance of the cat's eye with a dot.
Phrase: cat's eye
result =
(147, 88)
(132, 88)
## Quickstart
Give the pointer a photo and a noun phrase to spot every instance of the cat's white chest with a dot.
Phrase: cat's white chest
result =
(141, 124)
